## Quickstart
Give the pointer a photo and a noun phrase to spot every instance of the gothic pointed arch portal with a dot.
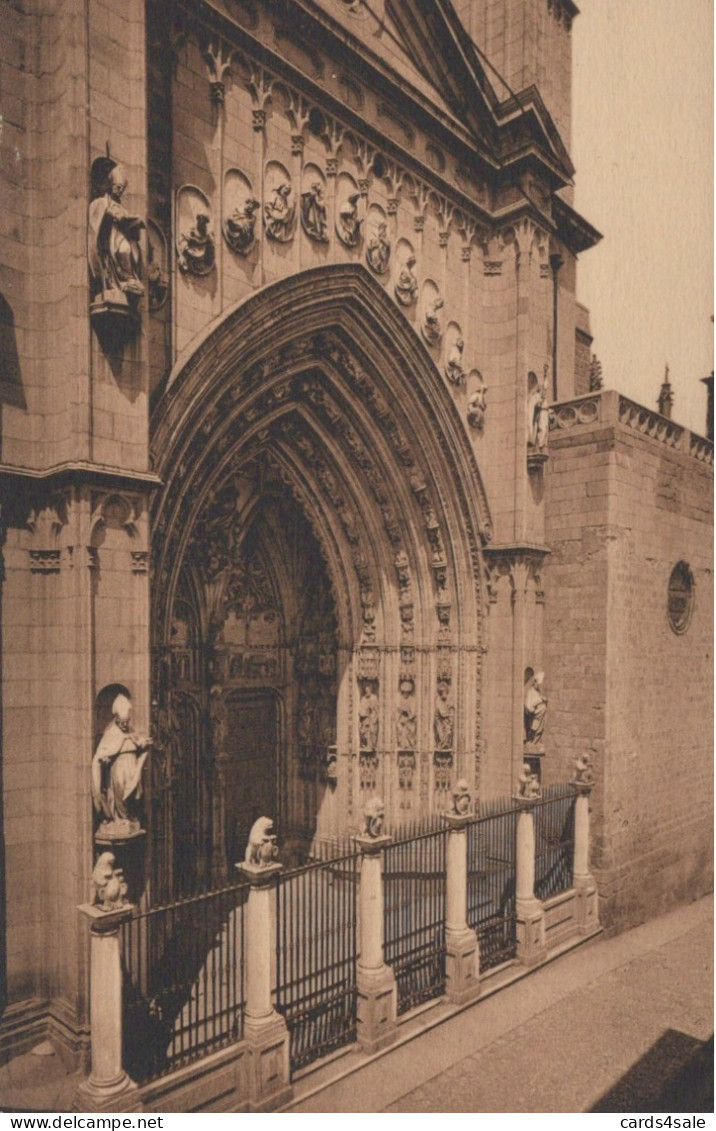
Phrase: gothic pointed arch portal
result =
(317, 595)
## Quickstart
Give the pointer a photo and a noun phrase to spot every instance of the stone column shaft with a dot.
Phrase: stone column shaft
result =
(108, 1087)
(462, 956)
(269, 1068)
(531, 945)
(377, 994)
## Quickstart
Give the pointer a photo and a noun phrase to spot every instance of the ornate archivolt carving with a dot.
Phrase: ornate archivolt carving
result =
(477, 400)
(195, 244)
(240, 212)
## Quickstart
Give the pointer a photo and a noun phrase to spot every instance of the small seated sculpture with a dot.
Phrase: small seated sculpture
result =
(461, 798)
(114, 254)
(196, 250)
(535, 706)
(406, 286)
(453, 367)
(348, 224)
(117, 772)
(378, 250)
(583, 770)
(374, 817)
(279, 214)
(240, 226)
(261, 849)
(314, 217)
(109, 883)
(476, 407)
(432, 326)
(528, 784)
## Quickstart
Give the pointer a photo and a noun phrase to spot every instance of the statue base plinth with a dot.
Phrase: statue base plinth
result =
(115, 317)
(536, 461)
(116, 833)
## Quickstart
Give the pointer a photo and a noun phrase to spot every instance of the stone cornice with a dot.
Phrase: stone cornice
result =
(80, 471)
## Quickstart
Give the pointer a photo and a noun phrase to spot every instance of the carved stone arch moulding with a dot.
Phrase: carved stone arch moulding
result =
(250, 372)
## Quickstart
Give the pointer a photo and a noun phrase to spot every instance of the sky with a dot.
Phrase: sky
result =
(642, 144)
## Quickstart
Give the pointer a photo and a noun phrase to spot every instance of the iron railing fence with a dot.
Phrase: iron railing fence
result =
(317, 956)
(491, 886)
(183, 975)
(554, 841)
(414, 878)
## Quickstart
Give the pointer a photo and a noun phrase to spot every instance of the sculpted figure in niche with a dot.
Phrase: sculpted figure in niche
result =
(528, 783)
(117, 771)
(279, 214)
(261, 849)
(432, 326)
(406, 723)
(453, 367)
(368, 716)
(444, 719)
(538, 411)
(374, 817)
(406, 287)
(476, 407)
(348, 224)
(196, 250)
(461, 798)
(115, 257)
(535, 706)
(378, 250)
(109, 883)
(240, 228)
(314, 217)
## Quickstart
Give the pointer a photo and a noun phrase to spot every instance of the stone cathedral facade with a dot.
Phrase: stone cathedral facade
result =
(301, 452)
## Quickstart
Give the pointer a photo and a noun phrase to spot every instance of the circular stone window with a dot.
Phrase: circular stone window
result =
(681, 597)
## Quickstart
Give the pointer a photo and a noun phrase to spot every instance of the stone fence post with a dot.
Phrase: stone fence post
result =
(108, 1087)
(583, 880)
(377, 994)
(462, 955)
(531, 944)
(269, 1069)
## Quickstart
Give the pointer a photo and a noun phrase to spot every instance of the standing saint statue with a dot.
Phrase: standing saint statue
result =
(535, 706)
(115, 258)
(368, 717)
(117, 771)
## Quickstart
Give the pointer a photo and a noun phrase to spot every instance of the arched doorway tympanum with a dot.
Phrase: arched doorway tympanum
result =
(317, 627)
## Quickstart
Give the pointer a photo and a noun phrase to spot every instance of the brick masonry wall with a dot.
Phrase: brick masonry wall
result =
(622, 508)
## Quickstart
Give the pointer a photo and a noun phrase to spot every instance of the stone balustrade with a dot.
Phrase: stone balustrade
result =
(609, 407)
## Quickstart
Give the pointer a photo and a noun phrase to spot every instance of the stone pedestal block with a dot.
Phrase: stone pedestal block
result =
(462, 966)
(531, 941)
(268, 1063)
(377, 1008)
(587, 904)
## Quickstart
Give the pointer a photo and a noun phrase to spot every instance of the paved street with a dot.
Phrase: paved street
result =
(618, 1025)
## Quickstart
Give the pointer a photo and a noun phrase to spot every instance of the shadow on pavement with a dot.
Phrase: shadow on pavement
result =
(675, 1075)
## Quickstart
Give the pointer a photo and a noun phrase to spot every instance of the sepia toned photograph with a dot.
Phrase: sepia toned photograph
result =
(356, 559)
